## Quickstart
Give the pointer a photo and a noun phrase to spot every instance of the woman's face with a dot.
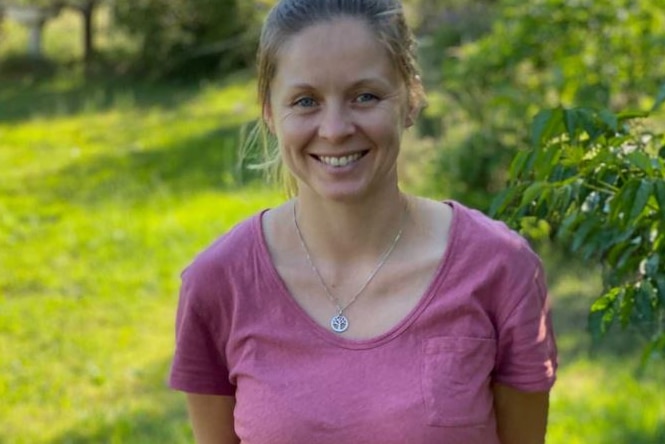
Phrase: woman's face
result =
(338, 108)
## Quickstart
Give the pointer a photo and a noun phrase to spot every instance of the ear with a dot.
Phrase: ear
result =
(415, 102)
(411, 115)
(410, 119)
(268, 117)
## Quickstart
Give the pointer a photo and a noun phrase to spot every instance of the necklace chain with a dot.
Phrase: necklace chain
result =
(339, 322)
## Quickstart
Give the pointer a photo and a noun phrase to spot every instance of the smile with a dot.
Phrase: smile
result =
(341, 161)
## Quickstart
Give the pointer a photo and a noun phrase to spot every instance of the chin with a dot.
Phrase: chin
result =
(343, 194)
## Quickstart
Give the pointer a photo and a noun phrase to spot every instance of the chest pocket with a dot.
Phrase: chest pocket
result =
(456, 375)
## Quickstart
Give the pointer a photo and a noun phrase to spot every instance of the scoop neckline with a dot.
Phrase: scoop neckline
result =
(382, 338)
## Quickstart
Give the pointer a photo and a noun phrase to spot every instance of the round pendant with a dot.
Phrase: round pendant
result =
(339, 323)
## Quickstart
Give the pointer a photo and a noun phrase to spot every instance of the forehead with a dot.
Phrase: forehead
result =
(340, 50)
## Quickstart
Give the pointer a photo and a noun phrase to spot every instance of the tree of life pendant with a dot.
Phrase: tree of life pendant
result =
(339, 323)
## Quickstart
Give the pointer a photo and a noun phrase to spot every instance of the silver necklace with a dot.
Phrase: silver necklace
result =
(339, 323)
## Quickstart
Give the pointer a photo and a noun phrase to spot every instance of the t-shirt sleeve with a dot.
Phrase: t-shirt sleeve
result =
(199, 365)
(527, 355)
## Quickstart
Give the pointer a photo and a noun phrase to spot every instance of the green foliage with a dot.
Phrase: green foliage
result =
(598, 179)
(185, 38)
(541, 54)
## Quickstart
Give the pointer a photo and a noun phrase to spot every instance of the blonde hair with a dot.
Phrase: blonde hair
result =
(289, 17)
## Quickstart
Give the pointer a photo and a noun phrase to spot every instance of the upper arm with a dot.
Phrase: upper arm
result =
(521, 417)
(212, 418)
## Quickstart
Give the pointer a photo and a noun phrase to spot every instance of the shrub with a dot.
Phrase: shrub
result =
(542, 53)
(184, 38)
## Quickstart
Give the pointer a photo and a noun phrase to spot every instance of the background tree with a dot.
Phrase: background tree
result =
(537, 54)
(87, 10)
(595, 182)
(190, 37)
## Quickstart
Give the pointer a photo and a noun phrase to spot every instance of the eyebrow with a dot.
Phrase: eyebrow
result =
(356, 84)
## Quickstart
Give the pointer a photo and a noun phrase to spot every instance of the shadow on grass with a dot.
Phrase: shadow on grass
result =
(633, 436)
(205, 161)
(162, 417)
(22, 100)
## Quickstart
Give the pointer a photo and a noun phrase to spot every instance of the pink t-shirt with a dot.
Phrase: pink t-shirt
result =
(483, 319)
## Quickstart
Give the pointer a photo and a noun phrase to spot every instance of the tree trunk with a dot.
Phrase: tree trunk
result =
(87, 10)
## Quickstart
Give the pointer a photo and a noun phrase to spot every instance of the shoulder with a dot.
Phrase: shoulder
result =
(223, 262)
(481, 236)
(498, 259)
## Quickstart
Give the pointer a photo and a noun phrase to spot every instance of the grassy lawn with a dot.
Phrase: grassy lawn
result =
(100, 208)
(107, 190)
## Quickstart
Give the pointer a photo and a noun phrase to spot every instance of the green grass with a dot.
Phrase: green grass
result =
(602, 395)
(102, 205)
(108, 189)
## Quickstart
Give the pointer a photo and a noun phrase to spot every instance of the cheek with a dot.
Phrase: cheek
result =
(294, 130)
(387, 125)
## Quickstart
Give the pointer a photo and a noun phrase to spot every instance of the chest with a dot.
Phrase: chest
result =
(411, 389)
(372, 306)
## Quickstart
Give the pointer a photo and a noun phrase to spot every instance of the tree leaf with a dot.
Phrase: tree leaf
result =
(622, 202)
(640, 160)
(659, 191)
(610, 119)
(545, 125)
(644, 297)
(570, 119)
(539, 126)
(616, 252)
(517, 165)
(568, 224)
(625, 258)
(641, 198)
(626, 306)
(602, 313)
(652, 348)
(548, 162)
(583, 231)
(532, 193)
(502, 201)
(652, 265)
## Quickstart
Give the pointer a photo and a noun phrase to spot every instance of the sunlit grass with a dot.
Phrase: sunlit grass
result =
(602, 395)
(101, 207)
(601, 401)
(87, 313)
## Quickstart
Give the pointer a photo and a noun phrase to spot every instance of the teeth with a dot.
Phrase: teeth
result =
(340, 161)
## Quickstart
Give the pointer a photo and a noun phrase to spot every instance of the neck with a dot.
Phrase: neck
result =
(337, 231)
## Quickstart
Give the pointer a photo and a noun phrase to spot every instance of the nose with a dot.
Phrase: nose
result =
(336, 123)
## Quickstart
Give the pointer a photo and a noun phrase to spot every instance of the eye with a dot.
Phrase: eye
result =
(305, 102)
(366, 97)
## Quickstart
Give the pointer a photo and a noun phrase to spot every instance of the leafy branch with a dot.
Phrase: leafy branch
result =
(596, 181)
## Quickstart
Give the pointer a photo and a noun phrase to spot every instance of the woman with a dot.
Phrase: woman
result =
(354, 312)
